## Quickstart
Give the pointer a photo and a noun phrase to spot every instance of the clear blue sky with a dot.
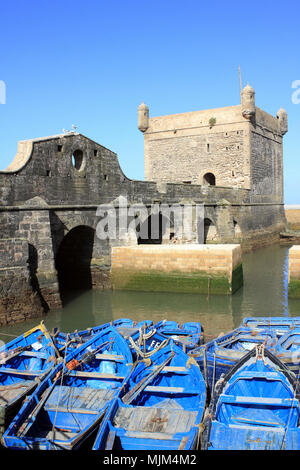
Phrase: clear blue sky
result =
(92, 62)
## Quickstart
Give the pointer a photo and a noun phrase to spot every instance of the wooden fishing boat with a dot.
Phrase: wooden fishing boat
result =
(125, 326)
(68, 405)
(287, 349)
(163, 406)
(24, 361)
(219, 355)
(254, 407)
(189, 334)
(280, 325)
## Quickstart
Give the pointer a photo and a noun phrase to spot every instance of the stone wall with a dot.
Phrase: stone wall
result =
(294, 272)
(19, 300)
(47, 196)
(184, 147)
(215, 269)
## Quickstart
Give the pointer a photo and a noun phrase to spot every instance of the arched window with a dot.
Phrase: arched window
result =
(209, 179)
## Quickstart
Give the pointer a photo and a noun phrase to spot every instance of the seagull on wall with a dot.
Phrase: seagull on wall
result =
(65, 131)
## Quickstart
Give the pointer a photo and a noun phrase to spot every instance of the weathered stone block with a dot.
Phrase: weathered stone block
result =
(168, 269)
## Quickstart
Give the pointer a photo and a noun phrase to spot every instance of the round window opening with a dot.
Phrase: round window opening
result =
(78, 160)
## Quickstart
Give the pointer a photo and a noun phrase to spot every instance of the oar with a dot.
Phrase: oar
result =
(15, 352)
(35, 410)
(48, 336)
(136, 390)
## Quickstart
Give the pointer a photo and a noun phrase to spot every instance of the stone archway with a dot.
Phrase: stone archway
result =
(209, 179)
(73, 261)
(210, 231)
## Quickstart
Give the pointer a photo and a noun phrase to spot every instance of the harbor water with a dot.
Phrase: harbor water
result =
(264, 293)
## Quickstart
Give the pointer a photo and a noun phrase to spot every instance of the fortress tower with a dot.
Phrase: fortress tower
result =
(237, 147)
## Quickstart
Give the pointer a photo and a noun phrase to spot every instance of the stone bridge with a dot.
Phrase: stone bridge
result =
(49, 197)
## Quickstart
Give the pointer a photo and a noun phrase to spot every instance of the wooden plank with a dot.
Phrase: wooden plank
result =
(95, 375)
(156, 388)
(150, 435)
(258, 400)
(62, 409)
(9, 370)
(173, 369)
(110, 440)
(183, 443)
(110, 357)
(41, 355)
(69, 398)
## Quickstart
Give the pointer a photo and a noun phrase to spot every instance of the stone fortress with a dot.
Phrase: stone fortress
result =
(236, 147)
(228, 159)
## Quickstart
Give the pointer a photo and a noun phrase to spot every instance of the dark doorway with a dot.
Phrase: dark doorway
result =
(151, 231)
(209, 179)
(210, 231)
(73, 262)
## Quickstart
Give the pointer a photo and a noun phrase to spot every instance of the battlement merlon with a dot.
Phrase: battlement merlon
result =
(201, 119)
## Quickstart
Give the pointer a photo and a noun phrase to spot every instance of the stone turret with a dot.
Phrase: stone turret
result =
(143, 117)
(282, 121)
(248, 102)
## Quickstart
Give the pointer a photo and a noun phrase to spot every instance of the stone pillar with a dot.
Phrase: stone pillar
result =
(18, 301)
(35, 227)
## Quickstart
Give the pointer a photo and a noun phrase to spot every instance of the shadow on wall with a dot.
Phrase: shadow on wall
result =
(32, 268)
(73, 262)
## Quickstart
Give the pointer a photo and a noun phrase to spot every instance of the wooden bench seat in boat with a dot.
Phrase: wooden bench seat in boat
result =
(94, 375)
(253, 375)
(145, 419)
(9, 370)
(286, 402)
(110, 357)
(78, 399)
(38, 354)
(159, 389)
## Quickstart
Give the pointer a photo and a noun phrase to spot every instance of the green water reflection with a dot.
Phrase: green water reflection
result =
(264, 294)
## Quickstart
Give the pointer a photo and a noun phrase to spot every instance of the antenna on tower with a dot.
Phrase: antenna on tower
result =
(240, 80)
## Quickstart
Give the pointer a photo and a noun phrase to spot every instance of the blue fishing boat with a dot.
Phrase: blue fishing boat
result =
(219, 355)
(280, 325)
(162, 408)
(287, 349)
(125, 326)
(71, 401)
(254, 407)
(189, 334)
(24, 361)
